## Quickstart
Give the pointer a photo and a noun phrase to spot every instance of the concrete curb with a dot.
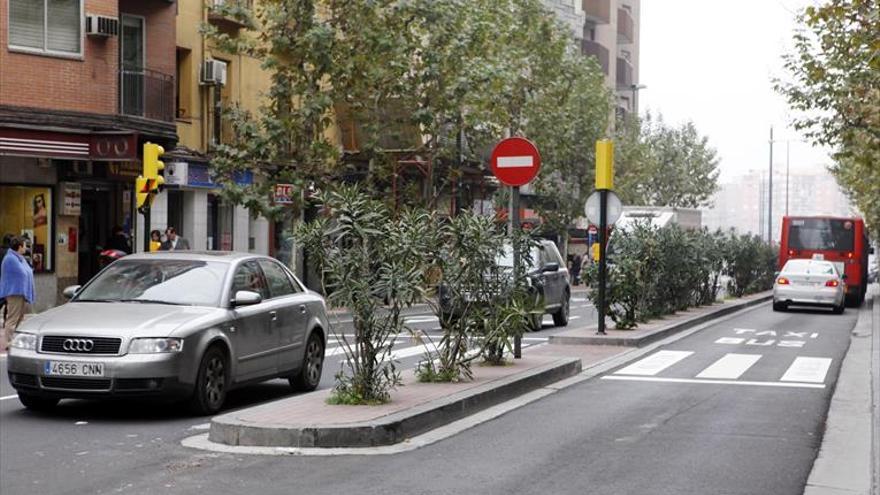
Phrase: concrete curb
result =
(394, 428)
(845, 460)
(662, 332)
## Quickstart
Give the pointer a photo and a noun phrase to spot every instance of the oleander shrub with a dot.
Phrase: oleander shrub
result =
(657, 271)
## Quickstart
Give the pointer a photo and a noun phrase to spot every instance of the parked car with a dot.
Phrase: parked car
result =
(183, 325)
(805, 282)
(549, 282)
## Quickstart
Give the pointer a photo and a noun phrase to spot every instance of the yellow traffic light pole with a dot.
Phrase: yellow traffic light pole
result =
(604, 183)
(149, 184)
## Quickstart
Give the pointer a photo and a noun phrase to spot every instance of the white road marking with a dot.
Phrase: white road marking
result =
(575, 317)
(714, 382)
(655, 363)
(9, 397)
(515, 161)
(731, 366)
(807, 369)
(579, 299)
(420, 319)
(730, 340)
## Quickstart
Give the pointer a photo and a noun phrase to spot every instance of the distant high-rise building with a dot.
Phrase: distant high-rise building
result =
(609, 31)
(742, 202)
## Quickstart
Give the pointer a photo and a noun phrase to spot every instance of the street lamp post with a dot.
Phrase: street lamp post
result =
(635, 90)
(770, 193)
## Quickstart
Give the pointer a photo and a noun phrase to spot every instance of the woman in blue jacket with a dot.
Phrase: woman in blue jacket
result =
(16, 286)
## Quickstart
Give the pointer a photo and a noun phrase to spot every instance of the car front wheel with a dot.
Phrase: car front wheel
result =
(560, 317)
(36, 403)
(212, 383)
(309, 375)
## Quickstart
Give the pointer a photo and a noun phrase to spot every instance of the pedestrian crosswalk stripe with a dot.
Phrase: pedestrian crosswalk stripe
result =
(714, 382)
(731, 366)
(655, 363)
(807, 369)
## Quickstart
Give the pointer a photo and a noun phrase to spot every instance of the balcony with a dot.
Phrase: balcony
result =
(592, 49)
(625, 26)
(624, 73)
(147, 94)
(597, 11)
(219, 13)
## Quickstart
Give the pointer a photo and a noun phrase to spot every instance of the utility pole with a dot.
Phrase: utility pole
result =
(787, 149)
(770, 193)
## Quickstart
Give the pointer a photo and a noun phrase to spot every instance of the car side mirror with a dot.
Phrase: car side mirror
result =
(776, 274)
(71, 291)
(551, 267)
(246, 298)
(843, 277)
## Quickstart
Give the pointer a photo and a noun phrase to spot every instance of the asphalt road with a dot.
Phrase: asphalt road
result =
(90, 447)
(737, 408)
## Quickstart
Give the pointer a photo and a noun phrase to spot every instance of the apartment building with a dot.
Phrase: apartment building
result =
(83, 85)
(611, 35)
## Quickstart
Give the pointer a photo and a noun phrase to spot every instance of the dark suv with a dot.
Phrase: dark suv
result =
(549, 281)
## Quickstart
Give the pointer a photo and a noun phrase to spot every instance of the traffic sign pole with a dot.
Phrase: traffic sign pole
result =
(515, 162)
(146, 212)
(604, 183)
(514, 230)
(603, 233)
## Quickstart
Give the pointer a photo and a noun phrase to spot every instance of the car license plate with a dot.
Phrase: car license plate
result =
(64, 368)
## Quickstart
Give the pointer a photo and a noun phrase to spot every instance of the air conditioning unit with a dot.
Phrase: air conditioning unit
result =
(214, 72)
(99, 25)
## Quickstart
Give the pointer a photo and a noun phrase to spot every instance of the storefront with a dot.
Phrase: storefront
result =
(64, 193)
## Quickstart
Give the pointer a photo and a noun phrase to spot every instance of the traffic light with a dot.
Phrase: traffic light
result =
(153, 166)
(142, 192)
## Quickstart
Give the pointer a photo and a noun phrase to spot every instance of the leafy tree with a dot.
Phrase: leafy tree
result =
(834, 88)
(287, 139)
(662, 165)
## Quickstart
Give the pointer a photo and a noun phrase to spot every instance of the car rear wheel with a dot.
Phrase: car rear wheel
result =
(838, 310)
(212, 383)
(560, 317)
(35, 403)
(534, 321)
(778, 306)
(309, 376)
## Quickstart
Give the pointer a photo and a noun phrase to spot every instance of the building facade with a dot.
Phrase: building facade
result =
(611, 36)
(741, 204)
(84, 84)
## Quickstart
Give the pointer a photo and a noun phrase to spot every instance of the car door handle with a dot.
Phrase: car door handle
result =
(274, 315)
(302, 308)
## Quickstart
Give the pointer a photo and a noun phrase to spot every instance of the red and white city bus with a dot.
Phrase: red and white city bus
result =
(843, 241)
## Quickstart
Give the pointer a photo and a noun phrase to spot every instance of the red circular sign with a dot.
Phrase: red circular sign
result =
(515, 161)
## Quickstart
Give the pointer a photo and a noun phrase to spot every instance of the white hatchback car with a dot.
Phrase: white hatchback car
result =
(809, 283)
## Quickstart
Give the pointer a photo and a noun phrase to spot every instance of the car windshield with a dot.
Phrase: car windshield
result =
(506, 258)
(808, 267)
(158, 281)
(821, 234)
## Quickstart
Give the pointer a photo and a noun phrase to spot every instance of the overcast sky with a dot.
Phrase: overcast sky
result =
(712, 62)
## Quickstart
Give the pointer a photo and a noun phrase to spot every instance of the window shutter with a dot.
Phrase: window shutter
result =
(26, 23)
(63, 26)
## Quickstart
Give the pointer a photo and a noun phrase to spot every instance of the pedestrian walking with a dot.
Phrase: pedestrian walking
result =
(174, 242)
(576, 269)
(17, 286)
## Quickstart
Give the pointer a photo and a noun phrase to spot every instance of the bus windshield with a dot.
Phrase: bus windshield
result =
(817, 234)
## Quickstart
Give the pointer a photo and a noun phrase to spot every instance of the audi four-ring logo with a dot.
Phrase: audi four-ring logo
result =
(79, 345)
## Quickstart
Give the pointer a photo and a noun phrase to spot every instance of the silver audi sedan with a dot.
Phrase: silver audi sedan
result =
(188, 326)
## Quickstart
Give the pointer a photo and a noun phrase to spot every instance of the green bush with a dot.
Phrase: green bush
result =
(658, 271)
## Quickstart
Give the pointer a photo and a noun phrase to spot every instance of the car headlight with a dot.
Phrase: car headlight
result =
(153, 346)
(22, 340)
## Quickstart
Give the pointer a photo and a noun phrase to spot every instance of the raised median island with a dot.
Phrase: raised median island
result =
(308, 421)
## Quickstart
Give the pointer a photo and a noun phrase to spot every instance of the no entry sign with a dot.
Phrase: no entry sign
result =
(515, 161)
